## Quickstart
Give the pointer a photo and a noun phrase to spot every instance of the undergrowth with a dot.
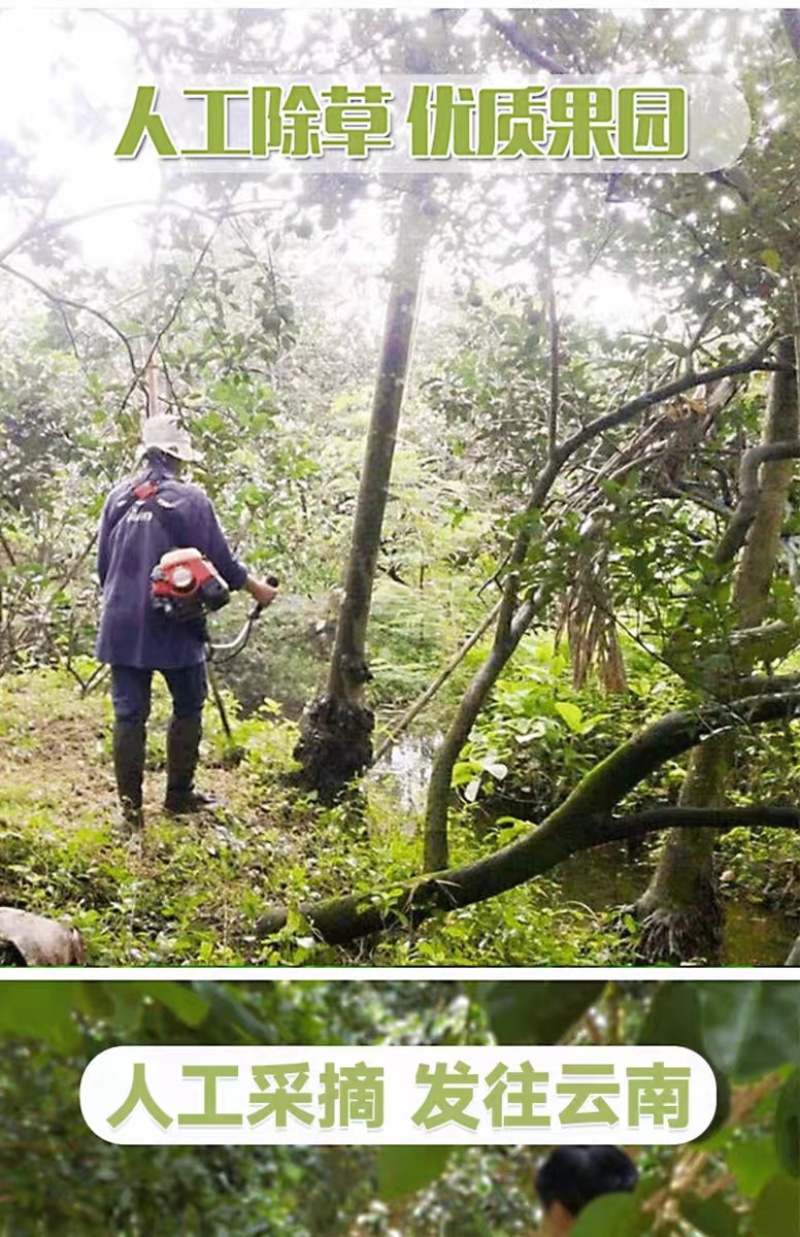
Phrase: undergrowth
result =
(190, 892)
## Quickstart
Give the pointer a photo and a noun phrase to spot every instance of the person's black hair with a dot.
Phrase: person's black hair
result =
(573, 1176)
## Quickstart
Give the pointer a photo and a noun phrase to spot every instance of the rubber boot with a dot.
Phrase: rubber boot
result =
(183, 747)
(129, 749)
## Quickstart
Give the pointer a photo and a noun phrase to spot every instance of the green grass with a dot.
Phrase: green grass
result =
(190, 892)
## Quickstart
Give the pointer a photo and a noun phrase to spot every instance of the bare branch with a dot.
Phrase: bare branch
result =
(430, 691)
(754, 362)
(514, 36)
(600, 425)
(60, 301)
(154, 347)
(31, 228)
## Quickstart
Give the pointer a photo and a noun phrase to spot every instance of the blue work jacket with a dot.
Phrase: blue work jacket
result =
(132, 539)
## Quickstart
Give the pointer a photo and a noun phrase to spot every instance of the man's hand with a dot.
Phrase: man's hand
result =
(261, 591)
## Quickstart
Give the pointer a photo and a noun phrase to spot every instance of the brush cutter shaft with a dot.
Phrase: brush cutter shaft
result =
(224, 652)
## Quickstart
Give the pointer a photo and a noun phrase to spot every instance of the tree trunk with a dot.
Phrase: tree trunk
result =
(680, 911)
(472, 702)
(791, 24)
(336, 728)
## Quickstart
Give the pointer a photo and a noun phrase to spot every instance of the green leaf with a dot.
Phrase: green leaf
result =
(777, 1210)
(94, 999)
(752, 1163)
(570, 713)
(181, 1000)
(675, 1017)
(229, 1021)
(750, 1027)
(787, 1125)
(711, 1216)
(771, 258)
(613, 1215)
(40, 1011)
(404, 1170)
(463, 771)
(542, 1012)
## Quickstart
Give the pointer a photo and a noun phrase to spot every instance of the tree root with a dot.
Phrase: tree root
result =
(335, 745)
(682, 935)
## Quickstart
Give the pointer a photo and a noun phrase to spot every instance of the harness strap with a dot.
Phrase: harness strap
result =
(146, 494)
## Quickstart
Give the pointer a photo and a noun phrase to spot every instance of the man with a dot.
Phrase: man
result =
(571, 1177)
(143, 518)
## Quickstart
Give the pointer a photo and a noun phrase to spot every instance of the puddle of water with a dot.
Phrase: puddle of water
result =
(607, 876)
(407, 767)
(756, 937)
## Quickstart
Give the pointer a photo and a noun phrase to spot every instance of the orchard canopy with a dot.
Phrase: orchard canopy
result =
(522, 451)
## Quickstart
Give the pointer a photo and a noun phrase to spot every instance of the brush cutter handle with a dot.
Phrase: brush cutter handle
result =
(258, 608)
(224, 652)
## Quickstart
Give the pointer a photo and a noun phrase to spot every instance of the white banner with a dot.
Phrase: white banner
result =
(398, 1095)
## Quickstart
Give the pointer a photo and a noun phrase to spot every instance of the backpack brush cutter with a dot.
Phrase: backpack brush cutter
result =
(185, 585)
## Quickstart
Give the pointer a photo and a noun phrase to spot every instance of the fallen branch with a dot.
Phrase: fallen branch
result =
(580, 823)
(444, 674)
(619, 828)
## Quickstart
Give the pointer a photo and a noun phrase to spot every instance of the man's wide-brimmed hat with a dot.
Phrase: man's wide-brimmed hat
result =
(165, 434)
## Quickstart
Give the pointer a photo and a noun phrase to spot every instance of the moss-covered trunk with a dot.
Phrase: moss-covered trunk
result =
(680, 912)
(336, 728)
(437, 848)
(682, 918)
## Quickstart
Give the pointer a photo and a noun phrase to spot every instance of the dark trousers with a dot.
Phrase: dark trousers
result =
(131, 687)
